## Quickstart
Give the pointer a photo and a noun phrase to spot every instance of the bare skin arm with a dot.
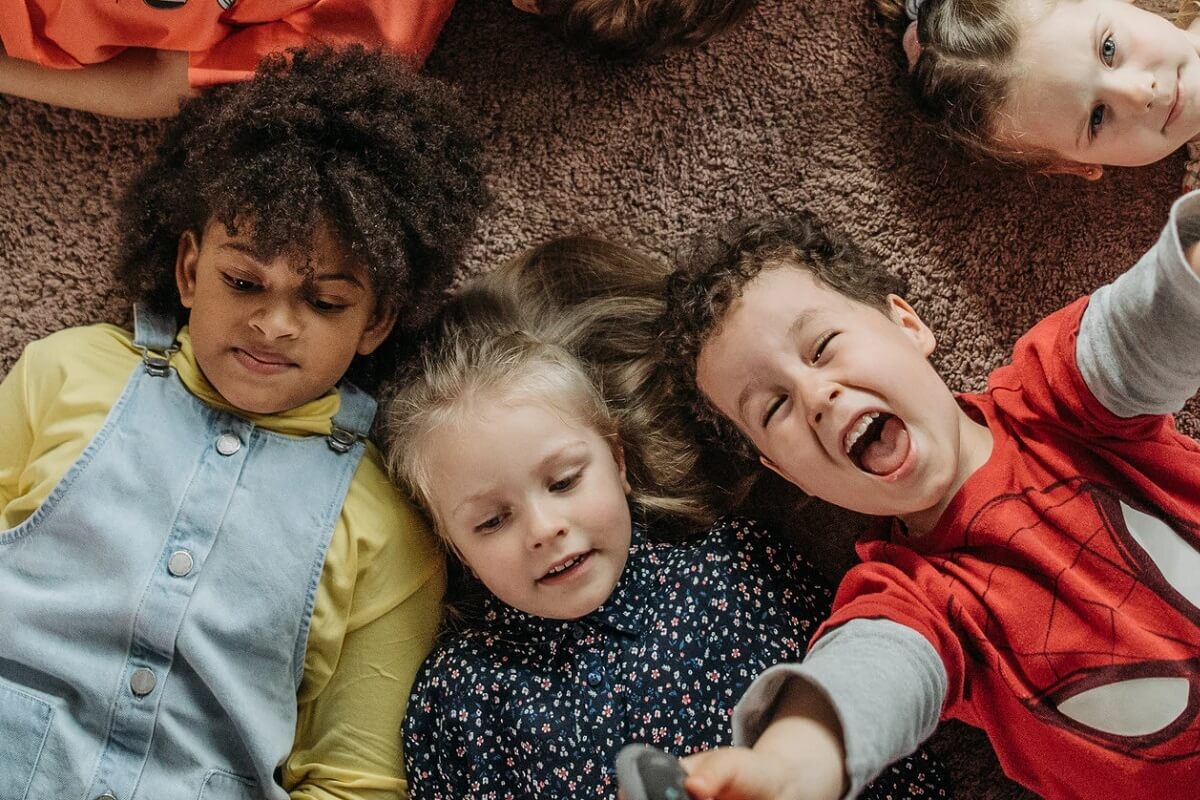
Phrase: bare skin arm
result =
(136, 84)
(800, 756)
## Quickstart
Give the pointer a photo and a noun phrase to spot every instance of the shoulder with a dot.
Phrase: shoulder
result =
(459, 678)
(390, 542)
(84, 368)
(88, 348)
(748, 560)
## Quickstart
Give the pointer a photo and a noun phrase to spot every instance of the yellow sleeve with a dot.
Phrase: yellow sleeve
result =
(377, 611)
(16, 432)
(52, 403)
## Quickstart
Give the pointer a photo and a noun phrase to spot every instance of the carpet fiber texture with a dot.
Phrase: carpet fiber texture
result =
(803, 106)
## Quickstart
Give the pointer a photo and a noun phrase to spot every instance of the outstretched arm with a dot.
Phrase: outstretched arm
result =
(823, 729)
(136, 84)
(1139, 340)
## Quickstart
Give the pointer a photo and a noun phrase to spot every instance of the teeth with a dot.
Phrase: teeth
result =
(859, 429)
(565, 566)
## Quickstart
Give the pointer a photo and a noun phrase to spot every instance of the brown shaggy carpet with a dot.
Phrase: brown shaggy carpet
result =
(804, 106)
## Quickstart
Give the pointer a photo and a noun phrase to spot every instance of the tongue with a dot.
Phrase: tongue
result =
(885, 455)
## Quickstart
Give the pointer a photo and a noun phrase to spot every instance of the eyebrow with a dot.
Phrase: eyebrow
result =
(332, 277)
(1083, 137)
(563, 453)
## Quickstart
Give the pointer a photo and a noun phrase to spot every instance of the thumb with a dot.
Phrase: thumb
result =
(717, 775)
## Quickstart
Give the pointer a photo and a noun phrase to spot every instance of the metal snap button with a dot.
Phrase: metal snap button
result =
(142, 682)
(180, 563)
(595, 678)
(228, 444)
(107, 796)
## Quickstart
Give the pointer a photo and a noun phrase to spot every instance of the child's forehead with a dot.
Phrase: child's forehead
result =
(314, 253)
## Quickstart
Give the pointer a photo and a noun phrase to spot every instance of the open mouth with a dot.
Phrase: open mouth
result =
(877, 443)
(566, 568)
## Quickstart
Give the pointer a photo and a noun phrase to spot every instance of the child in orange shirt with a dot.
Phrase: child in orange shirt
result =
(139, 59)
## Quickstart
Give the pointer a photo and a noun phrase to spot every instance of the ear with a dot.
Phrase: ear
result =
(903, 315)
(187, 255)
(528, 6)
(911, 45)
(618, 452)
(379, 327)
(1089, 172)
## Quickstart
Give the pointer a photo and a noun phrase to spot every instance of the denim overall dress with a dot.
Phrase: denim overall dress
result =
(154, 610)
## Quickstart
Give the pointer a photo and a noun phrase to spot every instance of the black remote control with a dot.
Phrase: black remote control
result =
(647, 773)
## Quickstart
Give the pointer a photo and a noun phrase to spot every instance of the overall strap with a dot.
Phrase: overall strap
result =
(353, 419)
(154, 335)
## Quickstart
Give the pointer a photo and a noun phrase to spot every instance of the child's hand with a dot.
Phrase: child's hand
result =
(1193, 257)
(739, 773)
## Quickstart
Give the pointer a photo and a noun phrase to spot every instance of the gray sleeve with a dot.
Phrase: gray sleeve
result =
(885, 681)
(1139, 340)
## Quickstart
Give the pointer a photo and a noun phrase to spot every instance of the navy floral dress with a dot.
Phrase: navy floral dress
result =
(524, 707)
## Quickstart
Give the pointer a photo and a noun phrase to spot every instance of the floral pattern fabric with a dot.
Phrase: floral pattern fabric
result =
(522, 707)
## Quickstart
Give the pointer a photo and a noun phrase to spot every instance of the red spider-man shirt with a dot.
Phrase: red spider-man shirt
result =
(1061, 587)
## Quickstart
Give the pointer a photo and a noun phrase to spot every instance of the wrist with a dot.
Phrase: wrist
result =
(806, 735)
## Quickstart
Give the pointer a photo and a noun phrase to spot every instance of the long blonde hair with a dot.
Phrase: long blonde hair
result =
(575, 320)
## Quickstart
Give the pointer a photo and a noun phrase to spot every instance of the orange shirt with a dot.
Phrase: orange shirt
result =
(226, 38)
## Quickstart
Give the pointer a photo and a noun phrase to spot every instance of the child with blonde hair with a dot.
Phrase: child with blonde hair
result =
(1062, 86)
(208, 586)
(533, 434)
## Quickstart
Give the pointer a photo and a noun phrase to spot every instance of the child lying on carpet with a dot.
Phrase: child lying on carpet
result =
(592, 628)
(202, 562)
(1041, 576)
(1062, 86)
(140, 58)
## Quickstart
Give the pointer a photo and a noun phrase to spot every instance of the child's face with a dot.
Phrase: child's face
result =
(534, 503)
(267, 337)
(838, 397)
(1102, 82)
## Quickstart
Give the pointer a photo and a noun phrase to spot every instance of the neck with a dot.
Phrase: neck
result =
(974, 449)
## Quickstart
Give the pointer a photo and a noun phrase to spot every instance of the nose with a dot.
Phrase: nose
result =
(545, 524)
(1135, 90)
(276, 321)
(819, 398)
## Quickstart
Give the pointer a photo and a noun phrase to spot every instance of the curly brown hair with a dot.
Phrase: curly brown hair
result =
(714, 274)
(632, 29)
(353, 140)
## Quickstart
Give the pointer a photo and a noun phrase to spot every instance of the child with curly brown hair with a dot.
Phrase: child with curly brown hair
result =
(1036, 571)
(208, 586)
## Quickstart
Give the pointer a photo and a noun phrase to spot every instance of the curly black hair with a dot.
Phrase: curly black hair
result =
(640, 29)
(708, 280)
(351, 139)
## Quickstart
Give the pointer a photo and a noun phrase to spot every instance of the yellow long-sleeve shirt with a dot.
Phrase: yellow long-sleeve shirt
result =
(378, 603)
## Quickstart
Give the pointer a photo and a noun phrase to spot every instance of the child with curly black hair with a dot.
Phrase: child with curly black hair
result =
(139, 59)
(208, 586)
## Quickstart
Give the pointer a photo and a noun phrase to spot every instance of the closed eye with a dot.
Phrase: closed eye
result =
(822, 343)
(775, 405)
(326, 306)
